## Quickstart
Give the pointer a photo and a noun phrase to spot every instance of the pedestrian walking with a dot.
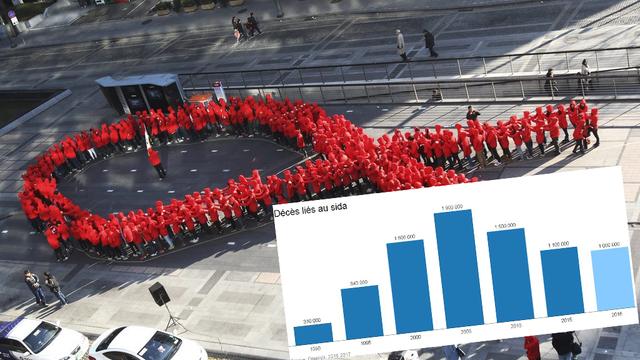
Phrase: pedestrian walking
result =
(472, 114)
(429, 42)
(33, 282)
(400, 45)
(532, 346)
(54, 286)
(154, 159)
(550, 85)
(254, 23)
(564, 345)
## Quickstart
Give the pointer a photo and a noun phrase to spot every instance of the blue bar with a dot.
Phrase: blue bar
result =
(313, 334)
(459, 268)
(562, 285)
(613, 278)
(510, 274)
(409, 286)
(361, 308)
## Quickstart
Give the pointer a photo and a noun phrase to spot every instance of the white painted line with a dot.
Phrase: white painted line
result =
(133, 170)
(225, 170)
(193, 170)
(279, 150)
(5, 231)
(349, 111)
(171, 191)
(105, 170)
(231, 243)
(110, 190)
(140, 191)
(183, 151)
(385, 109)
(245, 150)
(214, 150)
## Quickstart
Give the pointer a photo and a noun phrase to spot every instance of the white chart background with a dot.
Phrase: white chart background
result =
(321, 253)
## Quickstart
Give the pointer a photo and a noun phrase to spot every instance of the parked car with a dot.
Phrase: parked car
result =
(142, 343)
(27, 339)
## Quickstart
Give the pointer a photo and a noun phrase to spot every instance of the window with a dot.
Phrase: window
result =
(107, 340)
(41, 336)
(116, 355)
(12, 345)
(162, 346)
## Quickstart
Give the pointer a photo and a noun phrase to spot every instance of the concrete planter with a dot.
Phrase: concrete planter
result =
(236, 2)
(189, 9)
(210, 6)
(163, 12)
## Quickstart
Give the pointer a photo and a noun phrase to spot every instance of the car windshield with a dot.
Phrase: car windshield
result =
(162, 346)
(41, 336)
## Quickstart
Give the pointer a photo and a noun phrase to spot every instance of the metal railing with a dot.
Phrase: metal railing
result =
(563, 62)
(622, 84)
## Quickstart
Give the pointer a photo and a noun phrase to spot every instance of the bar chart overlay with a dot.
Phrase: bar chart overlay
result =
(455, 264)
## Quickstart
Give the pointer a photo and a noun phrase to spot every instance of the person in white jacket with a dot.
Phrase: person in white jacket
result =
(400, 45)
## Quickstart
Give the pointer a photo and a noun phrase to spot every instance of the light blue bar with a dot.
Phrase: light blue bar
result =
(361, 309)
(313, 334)
(459, 268)
(613, 278)
(409, 286)
(562, 284)
(510, 274)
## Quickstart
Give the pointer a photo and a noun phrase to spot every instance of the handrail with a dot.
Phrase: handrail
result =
(418, 81)
(429, 60)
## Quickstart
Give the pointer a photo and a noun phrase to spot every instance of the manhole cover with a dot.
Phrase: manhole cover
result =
(147, 21)
(571, 39)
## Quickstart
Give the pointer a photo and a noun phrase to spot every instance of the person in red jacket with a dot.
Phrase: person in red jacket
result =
(561, 114)
(554, 131)
(532, 346)
(578, 134)
(593, 125)
(154, 159)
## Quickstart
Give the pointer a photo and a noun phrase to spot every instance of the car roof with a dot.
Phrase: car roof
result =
(132, 338)
(19, 328)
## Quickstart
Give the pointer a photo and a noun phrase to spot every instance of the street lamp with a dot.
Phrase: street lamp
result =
(279, 12)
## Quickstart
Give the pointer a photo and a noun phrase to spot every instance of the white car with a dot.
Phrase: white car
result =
(142, 343)
(27, 339)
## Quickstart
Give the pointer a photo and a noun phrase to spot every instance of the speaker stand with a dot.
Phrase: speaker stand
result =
(174, 321)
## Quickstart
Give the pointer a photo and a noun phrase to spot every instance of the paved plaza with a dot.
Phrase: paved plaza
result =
(227, 291)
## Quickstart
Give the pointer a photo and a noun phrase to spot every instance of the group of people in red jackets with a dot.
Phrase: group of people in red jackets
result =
(503, 141)
(348, 162)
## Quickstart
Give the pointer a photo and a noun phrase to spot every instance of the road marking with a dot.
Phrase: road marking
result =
(245, 150)
(133, 170)
(183, 151)
(134, 9)
(193, 170)
(279, 150)
(5, 231)
(171, 191)
(231, 243)
(226, 170)
(349, 111)
(385, 109)
(110, 190)
(105, 170)
(140, 191)
(214, 151)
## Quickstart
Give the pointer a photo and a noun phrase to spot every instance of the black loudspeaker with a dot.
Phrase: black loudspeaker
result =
(159, 294)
